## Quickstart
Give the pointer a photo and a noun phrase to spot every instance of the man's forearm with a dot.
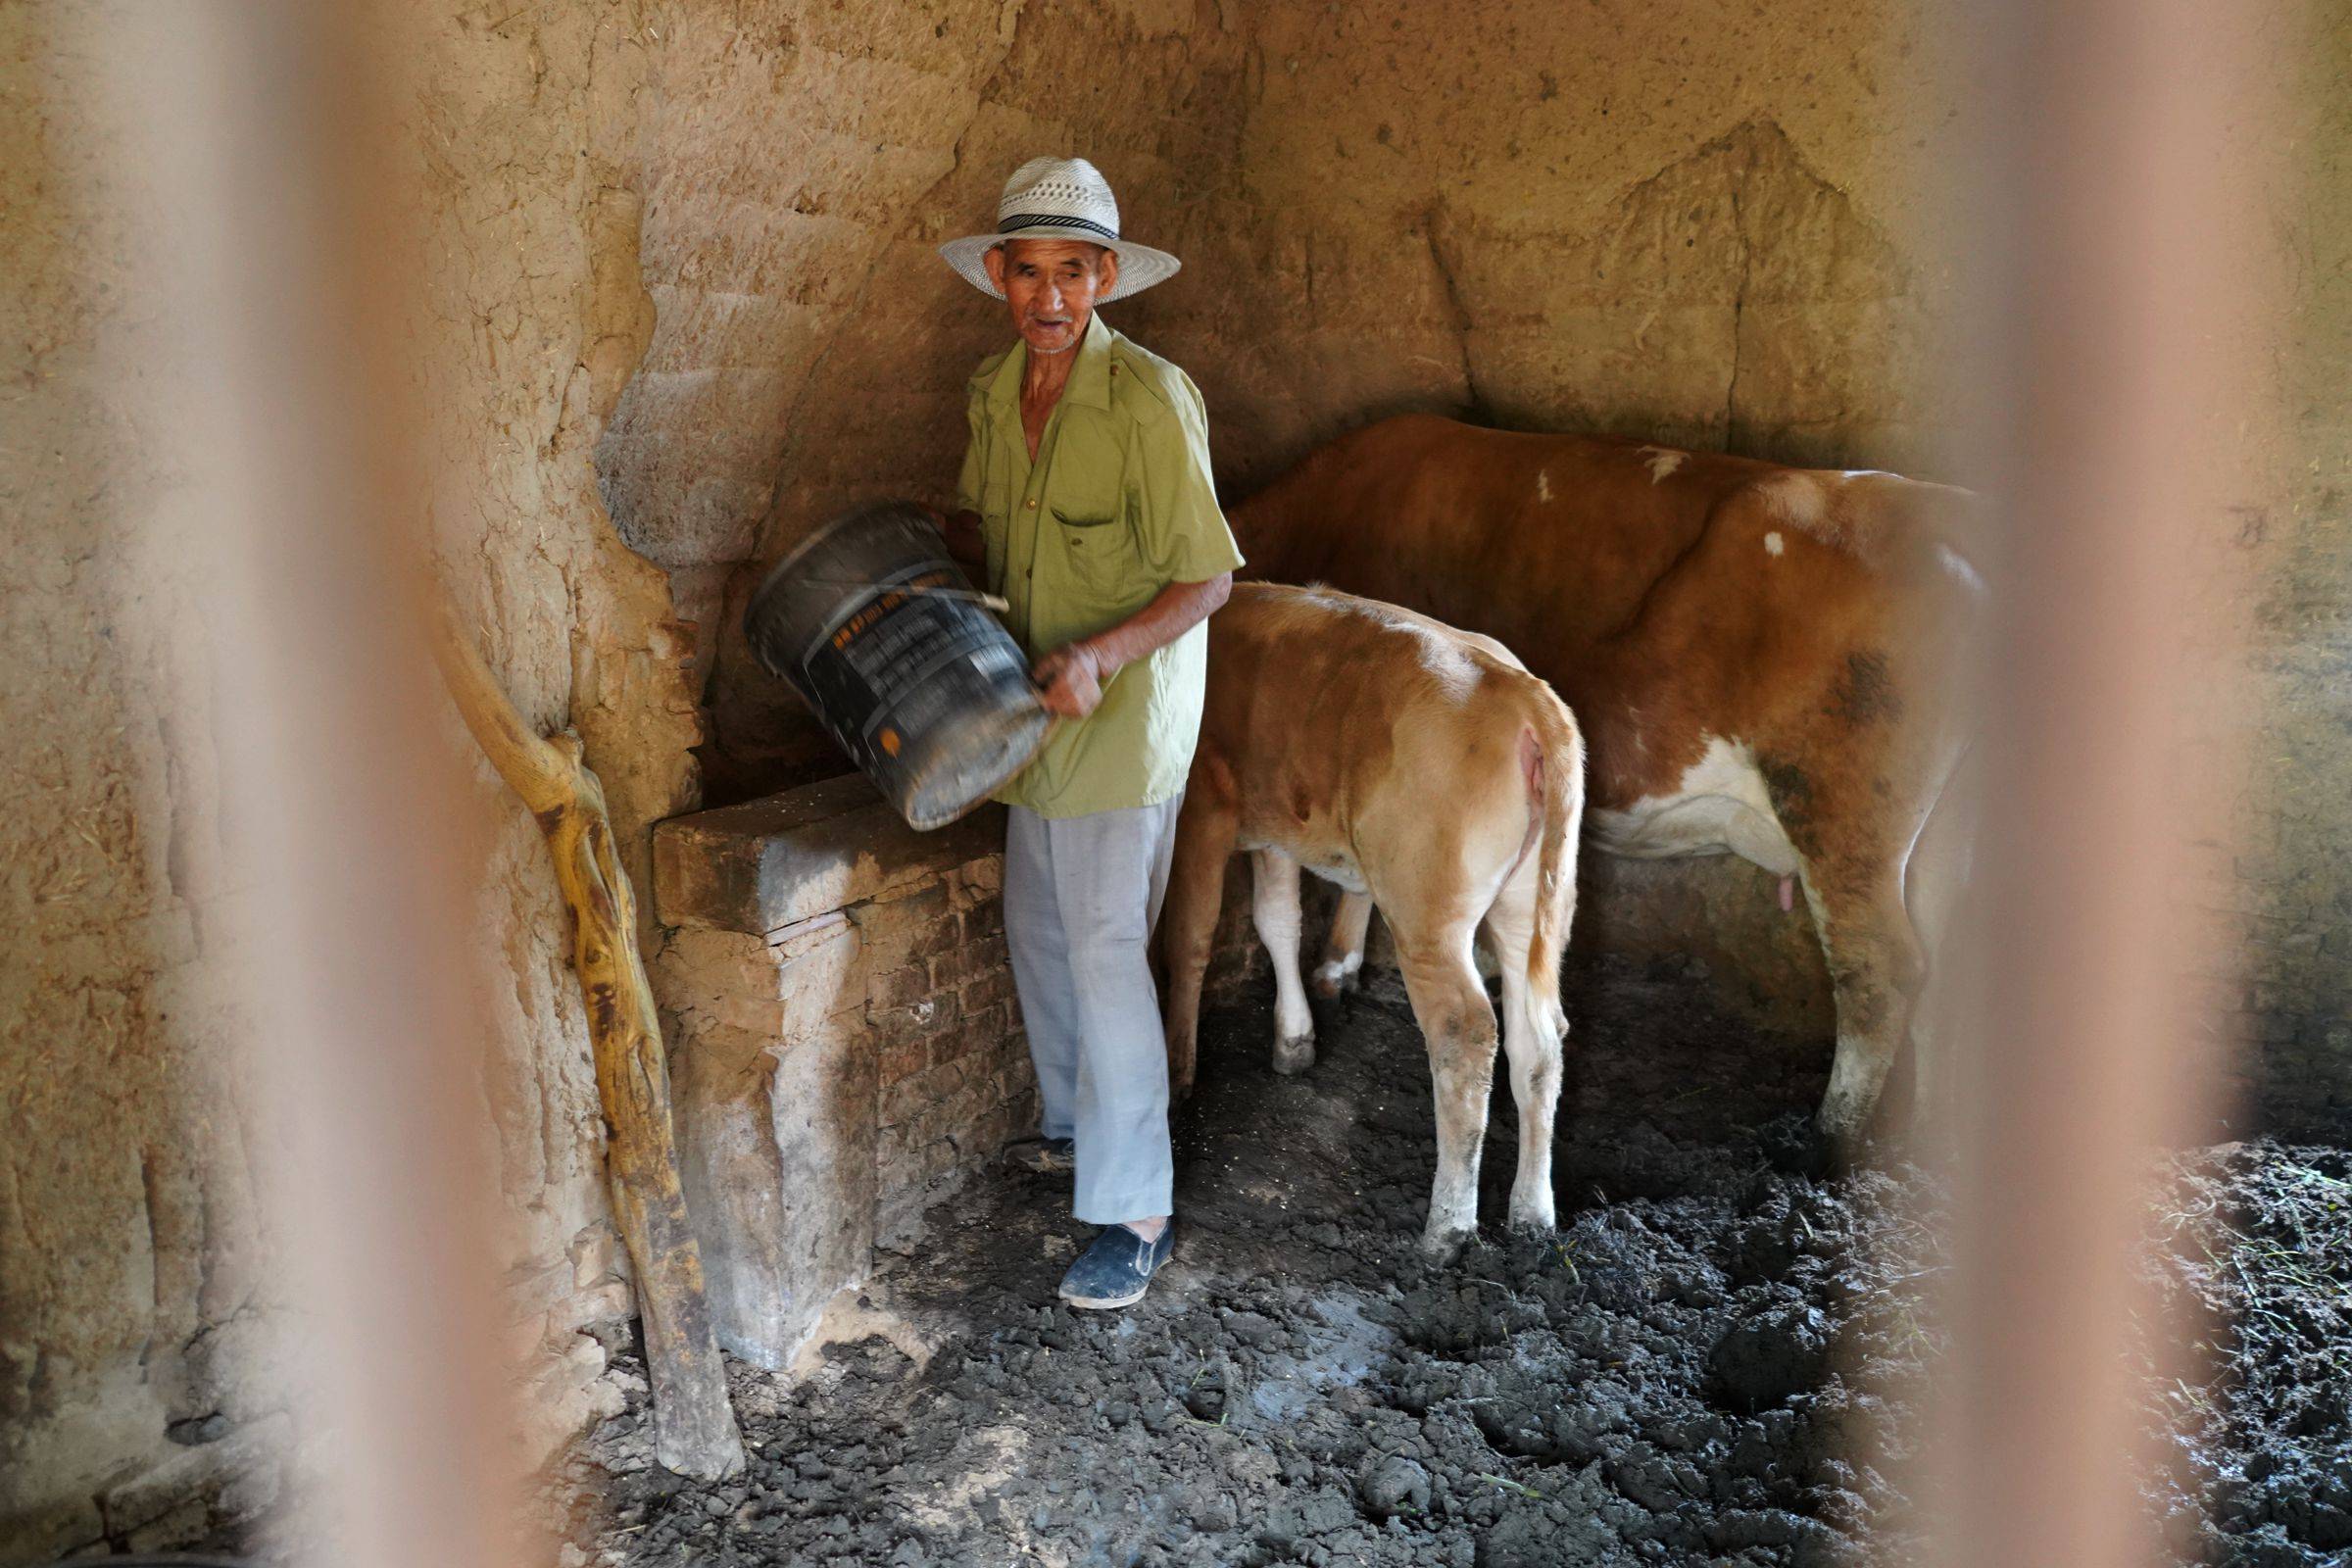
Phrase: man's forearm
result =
(1176, 610)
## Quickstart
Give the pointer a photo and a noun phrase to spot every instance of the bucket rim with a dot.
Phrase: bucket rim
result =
(844, 606)
(1026, 755)
(827, 529)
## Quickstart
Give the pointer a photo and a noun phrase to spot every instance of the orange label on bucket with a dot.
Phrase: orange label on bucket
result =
(882, 605)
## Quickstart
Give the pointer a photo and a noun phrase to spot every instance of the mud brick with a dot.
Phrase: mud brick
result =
(895, 929)
(918, 1020)
(976, 955)
(906, 912)
(900, 1153)
(939, 935)
(1014, 1079)
(899, 988)
(978, 879)
(905, 1060)
(927, 1093)
(950, 1079)
(966, 1110)
(964, 962)
(985, 920)
(949, 1113)
(904, 1103)
(954, 1047)
(910, 946)
(917, 891)
(975, 1036)
(949, 1046)
(894, 1147)
(939, 1157)
(986, 992)
(1012, 1118)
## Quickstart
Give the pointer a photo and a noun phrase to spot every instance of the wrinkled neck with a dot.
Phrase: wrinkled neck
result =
(1046, 374)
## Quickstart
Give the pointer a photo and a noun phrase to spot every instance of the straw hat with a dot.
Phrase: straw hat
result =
(1060, 197)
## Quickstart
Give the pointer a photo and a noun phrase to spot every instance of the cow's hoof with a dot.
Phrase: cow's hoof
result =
(1534, 1224)
(1335, 979)
(1443, 1248)
(1830, 1150)
(1293, 1056)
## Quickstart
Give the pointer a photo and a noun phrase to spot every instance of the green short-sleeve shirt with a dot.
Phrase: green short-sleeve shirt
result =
(1117, 506)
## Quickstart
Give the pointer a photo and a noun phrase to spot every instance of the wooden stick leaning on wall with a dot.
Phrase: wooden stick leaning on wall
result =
(695, 1424)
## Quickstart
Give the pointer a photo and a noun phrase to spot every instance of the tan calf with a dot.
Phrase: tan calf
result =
(1424, 767)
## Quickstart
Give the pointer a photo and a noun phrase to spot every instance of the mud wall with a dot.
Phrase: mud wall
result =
(526, 139)
(141, 1398)
(134, 1297)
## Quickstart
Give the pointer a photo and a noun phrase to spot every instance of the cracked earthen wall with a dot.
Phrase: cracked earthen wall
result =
(135, 1294)
(1709, 224)
(142, 1391)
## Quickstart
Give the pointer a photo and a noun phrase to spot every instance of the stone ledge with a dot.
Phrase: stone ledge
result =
(768, 863)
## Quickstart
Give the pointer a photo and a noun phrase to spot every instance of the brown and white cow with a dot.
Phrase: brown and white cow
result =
(1761, 658)
(1421, 768)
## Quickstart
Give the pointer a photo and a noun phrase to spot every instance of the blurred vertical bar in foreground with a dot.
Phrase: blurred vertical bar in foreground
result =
(2117, 284)
(280, 246)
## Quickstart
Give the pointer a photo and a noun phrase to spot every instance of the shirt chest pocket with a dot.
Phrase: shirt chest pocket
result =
(1097, 534)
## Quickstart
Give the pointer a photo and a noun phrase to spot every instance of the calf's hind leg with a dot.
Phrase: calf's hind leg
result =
(1274, 909)
(1344, 955)
(1533, 1035)
(1188, 924)
(1459, 1026)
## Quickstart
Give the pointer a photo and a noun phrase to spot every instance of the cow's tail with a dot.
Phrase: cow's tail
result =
(1557, 810)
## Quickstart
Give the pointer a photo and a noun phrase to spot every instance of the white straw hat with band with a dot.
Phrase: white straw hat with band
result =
(1060, 197)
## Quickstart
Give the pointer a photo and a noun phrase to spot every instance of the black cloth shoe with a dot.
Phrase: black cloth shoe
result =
(1117, 1269)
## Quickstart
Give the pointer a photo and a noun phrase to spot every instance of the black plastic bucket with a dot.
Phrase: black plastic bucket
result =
(880, 631)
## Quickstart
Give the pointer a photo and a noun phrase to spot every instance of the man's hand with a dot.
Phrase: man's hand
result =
(1072, 677)
(1069, 680)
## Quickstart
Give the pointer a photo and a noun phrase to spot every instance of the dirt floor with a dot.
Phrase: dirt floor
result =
(1715, 1360)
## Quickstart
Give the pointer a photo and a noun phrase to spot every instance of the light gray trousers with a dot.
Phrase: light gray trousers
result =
(1081, 896)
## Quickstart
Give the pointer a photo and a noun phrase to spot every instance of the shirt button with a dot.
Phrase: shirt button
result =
(1031, 503)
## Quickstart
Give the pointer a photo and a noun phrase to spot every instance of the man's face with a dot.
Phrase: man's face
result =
(1052, 285)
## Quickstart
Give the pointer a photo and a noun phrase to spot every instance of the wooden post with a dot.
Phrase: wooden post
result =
(696, 1431)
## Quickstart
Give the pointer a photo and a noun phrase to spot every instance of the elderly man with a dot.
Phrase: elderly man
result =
(1086, 492)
